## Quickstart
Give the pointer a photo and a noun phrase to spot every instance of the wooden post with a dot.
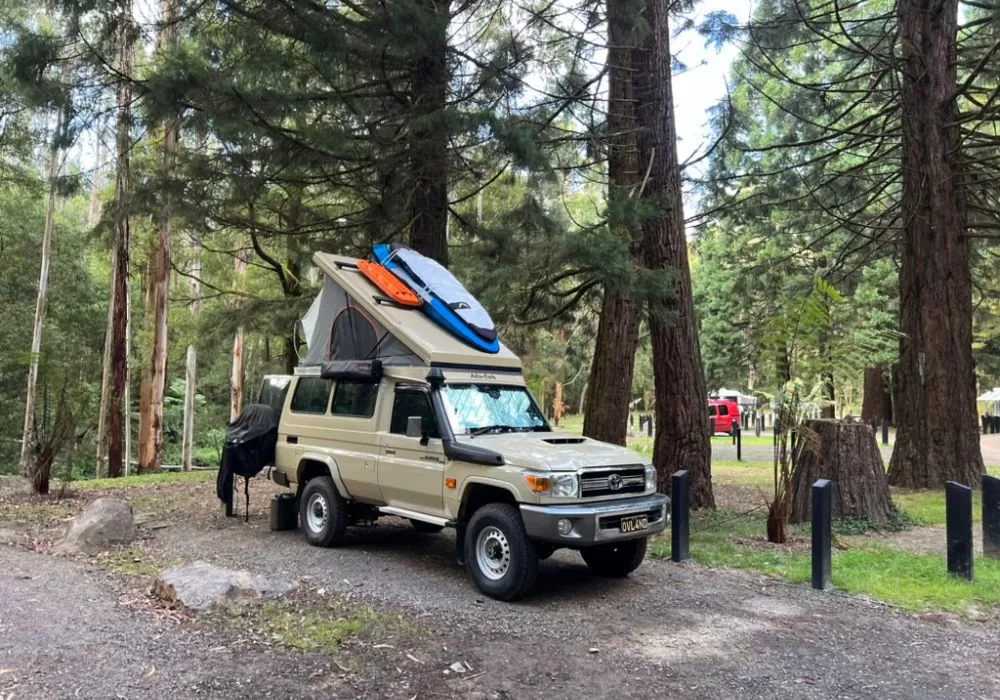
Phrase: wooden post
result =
(680, 509)
(821, 534)
(189, 390)
(958, 528)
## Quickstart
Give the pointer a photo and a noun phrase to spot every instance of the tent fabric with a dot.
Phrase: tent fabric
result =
(343, 331)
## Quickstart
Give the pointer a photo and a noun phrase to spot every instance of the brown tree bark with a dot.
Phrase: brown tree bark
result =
(151, 451)
(873, 402)
(429, 140)
(123, 190)
(682, 426)
(847, 454)
(609, 387)
(937, 438)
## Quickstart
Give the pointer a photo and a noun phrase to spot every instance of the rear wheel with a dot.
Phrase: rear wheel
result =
(616, 560)
(425, 528)
(502, 559)
(322, 513)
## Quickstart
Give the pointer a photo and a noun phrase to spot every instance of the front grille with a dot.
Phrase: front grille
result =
(612, 481)
(614, 522)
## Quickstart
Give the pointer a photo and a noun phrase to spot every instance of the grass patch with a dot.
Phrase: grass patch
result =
(130, 562)
(143, 480)
(45, 514)
(314, 627)
(928, 507)
(917, 582)
(733, 473)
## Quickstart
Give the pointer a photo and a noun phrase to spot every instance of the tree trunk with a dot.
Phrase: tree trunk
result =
(849, 456)
(41, 302)
(937, 436)
(682, 437)
(151, 453)
(105, 379)
(97, 182)
(873, 403)
(117, 448)
(429, 140)
(187, 443)
(238, 371)
(609, 387)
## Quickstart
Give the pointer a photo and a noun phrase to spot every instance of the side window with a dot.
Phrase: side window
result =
(411, 403)
(355, 399)
(711, 410)
(312, 395)
(723, 410)
(273, 392)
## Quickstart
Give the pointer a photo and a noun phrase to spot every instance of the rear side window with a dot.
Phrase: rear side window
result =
(273, 392)
(355, 399)
(723, 410)
(711, 410)
(312, 395)
(411, 403)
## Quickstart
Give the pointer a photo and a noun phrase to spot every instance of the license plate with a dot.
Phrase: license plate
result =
(635, 523)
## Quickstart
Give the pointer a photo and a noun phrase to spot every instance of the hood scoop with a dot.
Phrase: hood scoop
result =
(564, 441)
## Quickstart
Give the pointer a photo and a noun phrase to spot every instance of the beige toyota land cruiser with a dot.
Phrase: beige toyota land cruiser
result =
(447, 436)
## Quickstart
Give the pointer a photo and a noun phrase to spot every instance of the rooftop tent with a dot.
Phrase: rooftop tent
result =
(338, 329)
(350, 311)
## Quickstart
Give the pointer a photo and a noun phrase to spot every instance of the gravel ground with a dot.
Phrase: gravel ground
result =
(667, 631)
(677, 631)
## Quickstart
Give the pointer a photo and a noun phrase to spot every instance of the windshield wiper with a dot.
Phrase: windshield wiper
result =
(493, 429)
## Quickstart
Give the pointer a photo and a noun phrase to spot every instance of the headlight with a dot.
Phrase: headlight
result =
(556, 485)
(650, 477)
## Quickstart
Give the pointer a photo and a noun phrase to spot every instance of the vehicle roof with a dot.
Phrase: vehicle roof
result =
(429, 341)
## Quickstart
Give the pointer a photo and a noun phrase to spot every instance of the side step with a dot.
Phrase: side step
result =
(414, 515)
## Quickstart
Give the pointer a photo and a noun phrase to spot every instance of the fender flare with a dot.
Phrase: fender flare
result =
(331, 465)
(472, 481)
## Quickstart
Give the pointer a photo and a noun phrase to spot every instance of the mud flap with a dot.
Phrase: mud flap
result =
(460, 544)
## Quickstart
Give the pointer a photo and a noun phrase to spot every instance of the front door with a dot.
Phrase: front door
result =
(411, 475)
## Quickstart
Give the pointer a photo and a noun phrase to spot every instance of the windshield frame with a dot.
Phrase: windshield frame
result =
(460, 431)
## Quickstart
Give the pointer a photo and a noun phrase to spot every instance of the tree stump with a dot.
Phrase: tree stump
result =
(847, 454)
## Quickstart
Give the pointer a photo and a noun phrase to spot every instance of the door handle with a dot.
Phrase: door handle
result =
(432, 458)
(292, 439)
(389, 451)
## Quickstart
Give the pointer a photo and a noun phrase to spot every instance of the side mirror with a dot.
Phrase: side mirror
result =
(415, 428)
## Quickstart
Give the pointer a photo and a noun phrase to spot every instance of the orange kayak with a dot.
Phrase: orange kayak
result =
(389, 284)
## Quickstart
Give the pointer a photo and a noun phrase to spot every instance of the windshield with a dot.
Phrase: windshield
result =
(482, 408)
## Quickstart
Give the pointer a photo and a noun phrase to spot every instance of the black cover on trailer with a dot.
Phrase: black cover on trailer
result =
(250, 443)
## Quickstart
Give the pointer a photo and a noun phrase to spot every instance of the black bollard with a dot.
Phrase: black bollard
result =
(821, 534)
(757, 425)
(885, 431)
(711, 426)
(958, 512)
(734, 430)
(680, 512)
(991, 517)
(986, 425)
(874, 426)
(631, 420)
(739, 445)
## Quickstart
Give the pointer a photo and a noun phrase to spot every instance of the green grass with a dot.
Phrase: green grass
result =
(141, 480)
(918, 582)
(733, 473)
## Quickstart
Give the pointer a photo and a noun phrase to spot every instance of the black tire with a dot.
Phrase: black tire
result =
(616, 560)
(506, 543)
(328, 523)
(426, 528)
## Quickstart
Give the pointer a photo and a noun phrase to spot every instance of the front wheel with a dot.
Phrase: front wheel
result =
(502, 559)
(322, 513)
(616, 560)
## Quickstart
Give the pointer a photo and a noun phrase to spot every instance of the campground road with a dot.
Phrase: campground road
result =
(667, 631)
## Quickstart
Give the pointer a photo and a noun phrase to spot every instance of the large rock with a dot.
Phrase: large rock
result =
(105, 522)
(200, 585)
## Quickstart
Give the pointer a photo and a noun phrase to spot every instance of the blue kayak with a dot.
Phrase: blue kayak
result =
(446, 301)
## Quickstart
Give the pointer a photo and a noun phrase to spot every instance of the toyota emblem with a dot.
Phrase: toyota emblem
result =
(615, 482)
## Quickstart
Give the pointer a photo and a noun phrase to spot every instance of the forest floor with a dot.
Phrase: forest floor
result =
(390, 613)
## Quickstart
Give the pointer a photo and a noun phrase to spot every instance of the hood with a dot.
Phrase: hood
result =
(555, 451)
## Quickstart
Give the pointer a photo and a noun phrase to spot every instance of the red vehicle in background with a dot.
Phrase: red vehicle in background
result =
(724, 414)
